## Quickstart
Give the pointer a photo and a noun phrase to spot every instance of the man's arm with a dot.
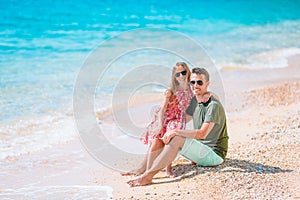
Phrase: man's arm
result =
(194, 134)
(197, 133)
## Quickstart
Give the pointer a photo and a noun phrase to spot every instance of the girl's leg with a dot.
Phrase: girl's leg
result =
(166, 156)
(137, 171)
(141, 169)
(154, 150)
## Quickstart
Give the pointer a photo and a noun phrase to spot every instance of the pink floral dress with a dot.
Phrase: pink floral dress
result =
(174, 116)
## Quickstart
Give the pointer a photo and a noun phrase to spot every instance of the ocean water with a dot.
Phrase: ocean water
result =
(43, 45)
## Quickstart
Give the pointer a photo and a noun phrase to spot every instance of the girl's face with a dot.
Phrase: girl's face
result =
(180, 75)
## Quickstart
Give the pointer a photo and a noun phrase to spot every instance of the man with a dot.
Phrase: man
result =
(206, 145)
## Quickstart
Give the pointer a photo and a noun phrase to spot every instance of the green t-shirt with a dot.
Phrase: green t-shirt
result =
(211, 111)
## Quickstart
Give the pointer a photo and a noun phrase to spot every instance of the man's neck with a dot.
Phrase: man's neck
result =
(203, 98)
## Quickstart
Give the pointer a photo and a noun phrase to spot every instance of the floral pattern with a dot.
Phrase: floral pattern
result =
(174, 116)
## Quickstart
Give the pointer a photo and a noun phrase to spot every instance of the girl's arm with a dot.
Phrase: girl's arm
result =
(164, 105)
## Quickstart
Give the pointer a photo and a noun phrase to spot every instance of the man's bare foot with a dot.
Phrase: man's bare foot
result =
(140, 181)
(169, 171)
(170, 174)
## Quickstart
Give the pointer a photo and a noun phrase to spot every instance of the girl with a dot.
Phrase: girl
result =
(170, 116)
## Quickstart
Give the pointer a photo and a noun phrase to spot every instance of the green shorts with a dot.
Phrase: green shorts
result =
(200, 153)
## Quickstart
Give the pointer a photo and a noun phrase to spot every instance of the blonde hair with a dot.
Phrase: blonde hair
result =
(174, 83)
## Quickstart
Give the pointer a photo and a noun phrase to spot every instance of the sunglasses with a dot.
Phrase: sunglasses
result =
(199, 82)
(183, 73)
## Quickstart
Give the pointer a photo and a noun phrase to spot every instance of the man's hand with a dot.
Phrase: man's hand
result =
(168, 136)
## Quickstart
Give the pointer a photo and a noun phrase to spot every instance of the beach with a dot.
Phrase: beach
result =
(80, 80)
(263, 155)
(262, 161)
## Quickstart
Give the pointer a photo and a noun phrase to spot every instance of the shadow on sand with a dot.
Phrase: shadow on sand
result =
(188, 170)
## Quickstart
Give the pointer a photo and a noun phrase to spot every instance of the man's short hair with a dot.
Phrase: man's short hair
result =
(199, 71)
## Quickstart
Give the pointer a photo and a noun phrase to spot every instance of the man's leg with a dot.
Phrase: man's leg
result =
(200, 153)
(167, 155)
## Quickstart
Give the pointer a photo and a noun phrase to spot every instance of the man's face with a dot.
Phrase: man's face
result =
(198, 84)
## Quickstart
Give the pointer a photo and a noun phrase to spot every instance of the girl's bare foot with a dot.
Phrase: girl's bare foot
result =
(127, 173)
(131, 173)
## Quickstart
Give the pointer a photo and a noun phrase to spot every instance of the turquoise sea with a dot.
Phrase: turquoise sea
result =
(43, 45)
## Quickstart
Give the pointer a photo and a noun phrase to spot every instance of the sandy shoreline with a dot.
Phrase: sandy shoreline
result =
(263, 109)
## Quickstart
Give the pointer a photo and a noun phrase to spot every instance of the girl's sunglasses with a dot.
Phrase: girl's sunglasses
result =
(178, 73)
(199, 82)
